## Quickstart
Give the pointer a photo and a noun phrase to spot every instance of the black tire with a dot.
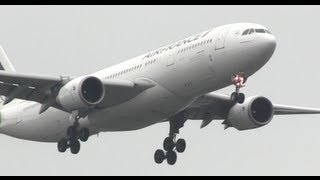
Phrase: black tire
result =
(159, 156)
(168, 144)
(234, 97)
(171, 157)
(75, 146)
(241, 98)
(84, 134)
(71, 131)
(62, 145)
(181, 145)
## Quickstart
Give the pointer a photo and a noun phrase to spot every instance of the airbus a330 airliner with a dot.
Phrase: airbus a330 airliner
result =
(173, 84)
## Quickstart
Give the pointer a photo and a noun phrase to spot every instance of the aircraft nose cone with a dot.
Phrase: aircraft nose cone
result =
(269, 43)
(266, 46)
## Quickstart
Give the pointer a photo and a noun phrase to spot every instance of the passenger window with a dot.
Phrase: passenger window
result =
(245, 32)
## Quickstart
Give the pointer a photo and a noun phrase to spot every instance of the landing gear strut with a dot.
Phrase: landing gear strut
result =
(238, 80)
(171, 145)
(74, 134)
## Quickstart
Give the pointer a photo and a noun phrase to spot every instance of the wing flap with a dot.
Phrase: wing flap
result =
(28, 87)
(29, 93)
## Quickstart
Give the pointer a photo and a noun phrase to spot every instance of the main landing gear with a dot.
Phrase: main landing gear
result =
(171, 145)
(74, 134)
(238, 80)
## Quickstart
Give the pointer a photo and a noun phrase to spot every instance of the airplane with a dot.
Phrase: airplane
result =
(171, 84)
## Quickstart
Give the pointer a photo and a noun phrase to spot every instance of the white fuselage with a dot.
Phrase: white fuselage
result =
(182, 71)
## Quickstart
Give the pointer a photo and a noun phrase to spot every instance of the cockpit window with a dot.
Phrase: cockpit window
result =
(245, 32)
(268, 31)
(251, 31)
(260, 31)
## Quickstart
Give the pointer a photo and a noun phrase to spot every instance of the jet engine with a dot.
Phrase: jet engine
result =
(255, 112)
(80, 93)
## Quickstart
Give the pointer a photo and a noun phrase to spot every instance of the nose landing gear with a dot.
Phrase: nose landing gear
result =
(238, 80)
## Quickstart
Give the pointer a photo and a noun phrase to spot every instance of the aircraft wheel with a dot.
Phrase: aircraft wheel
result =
(75, 146)
(71, 131)
(159, 156)
(234, 97)
(171, 157)
(168, 144)
(84, 134)
(241, 98)
(62, 145)
(181, 145)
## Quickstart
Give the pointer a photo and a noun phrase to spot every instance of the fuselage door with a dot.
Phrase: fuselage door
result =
(170, 61)
(221, 39)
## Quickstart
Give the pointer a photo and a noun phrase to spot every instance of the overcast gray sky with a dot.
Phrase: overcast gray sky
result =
(75, 40)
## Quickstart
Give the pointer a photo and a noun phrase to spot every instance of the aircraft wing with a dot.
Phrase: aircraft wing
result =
(44, 89)
(27, 87)
(287, 110)
(216, 106)
(119, 90)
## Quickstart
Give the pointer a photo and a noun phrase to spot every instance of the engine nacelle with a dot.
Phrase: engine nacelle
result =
(255, 112)
(82, 92)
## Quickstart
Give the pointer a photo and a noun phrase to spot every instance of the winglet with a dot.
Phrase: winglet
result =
(5, 64)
